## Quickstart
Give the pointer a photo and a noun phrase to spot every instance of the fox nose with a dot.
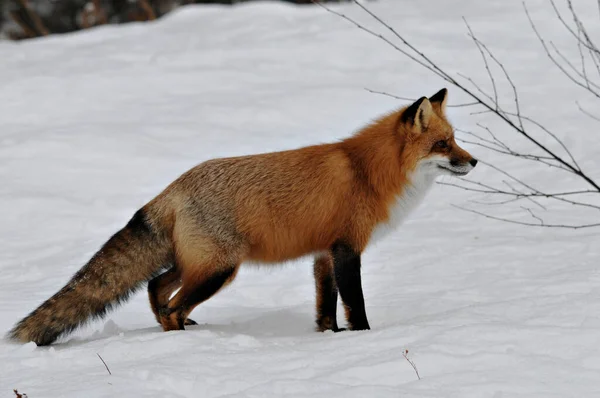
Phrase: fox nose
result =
(473, 162)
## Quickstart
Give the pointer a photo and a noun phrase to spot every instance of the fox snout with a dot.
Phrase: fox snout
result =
(457, 163)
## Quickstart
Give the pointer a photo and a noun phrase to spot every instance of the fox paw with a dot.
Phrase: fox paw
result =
(327, 323)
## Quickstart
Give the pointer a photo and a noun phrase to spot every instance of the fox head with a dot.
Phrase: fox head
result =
(429, 138)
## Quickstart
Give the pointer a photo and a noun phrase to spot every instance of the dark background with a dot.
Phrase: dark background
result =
(23, 19)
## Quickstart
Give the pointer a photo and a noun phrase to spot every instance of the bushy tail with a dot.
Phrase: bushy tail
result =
(132, 256)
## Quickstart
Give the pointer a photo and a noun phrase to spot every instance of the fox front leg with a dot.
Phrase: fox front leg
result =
(346, 268)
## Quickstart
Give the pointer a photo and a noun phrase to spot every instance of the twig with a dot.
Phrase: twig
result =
(414, 99)
(528, 223)
(501, 192)
(426, 62)
(576, 169)
(487, 67)
(506, 75)
(516, 188)
(569, 29)
(545, 46)
(105, 365)
(587, 113)
(533, 215)
(379, 36)
(405, 355)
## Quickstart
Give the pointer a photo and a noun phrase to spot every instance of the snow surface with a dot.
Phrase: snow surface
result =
(94, 124)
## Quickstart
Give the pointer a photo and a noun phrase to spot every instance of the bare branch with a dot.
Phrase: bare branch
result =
(405, 355)
(379, 36)
(487, 66)
(554, 61)
(501, 148)
(515, 188)
(414, 99)
(569, 29)
(501, 114)
(533, 214)
(506, 75)
(105, 365)
(521, 192)
(496, 107)
(495, 142)
(581, 28)
(576, 167)
(501, 192)
(583, 75)
(508, 220)
(587, 113)
(432, 64)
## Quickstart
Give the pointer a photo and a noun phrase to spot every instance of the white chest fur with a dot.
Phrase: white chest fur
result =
(419, 183)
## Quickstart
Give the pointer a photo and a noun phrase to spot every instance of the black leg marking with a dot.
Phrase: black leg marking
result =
(347, 276)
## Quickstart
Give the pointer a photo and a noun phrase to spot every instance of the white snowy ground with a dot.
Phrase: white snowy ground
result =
(94, 124)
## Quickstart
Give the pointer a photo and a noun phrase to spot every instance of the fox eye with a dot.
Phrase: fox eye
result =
(441, 144)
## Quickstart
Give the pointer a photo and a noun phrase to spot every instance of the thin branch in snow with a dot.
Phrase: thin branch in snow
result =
(405, 355)
(105, 365)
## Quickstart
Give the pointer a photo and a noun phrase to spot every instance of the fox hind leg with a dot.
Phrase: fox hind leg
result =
(193, 292)
(327, 294)
(160, 290)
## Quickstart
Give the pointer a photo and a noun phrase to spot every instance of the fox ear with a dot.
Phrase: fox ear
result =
(418, 114)
(438, 101)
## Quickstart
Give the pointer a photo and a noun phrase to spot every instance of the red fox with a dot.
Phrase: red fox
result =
(329, 200)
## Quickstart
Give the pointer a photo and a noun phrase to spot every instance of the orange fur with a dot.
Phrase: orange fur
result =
(288, 204)
(265, 208)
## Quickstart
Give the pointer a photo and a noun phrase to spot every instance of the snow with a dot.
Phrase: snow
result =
(94, 124)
